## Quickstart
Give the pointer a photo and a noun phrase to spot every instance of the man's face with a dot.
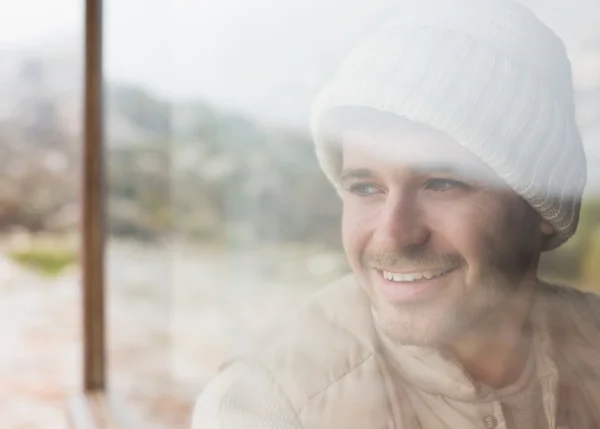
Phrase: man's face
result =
(434, 237)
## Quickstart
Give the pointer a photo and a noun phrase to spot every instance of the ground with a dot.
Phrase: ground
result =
(174, 314)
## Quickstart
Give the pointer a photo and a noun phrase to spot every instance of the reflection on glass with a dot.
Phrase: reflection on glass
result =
(220, 219)
(40, 146)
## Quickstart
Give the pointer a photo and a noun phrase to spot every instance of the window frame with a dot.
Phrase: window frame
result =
(90, 409)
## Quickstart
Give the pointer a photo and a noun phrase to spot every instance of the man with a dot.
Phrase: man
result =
(450, 136)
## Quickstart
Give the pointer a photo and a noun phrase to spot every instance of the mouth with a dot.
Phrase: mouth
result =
(415, 275)
(414, 285)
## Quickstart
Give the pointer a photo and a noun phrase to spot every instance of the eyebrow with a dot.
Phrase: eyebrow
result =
(444, 168)
(356, 173)
(462, 171)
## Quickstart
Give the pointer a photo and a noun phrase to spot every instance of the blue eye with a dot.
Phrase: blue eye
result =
(441, 185)
(363, 189)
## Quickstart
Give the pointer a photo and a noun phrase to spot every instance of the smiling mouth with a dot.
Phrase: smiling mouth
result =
(415, 276)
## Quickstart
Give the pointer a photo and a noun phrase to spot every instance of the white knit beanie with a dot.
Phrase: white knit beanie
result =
(490, 75)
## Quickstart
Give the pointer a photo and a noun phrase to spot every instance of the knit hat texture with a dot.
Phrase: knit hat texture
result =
(490, 75)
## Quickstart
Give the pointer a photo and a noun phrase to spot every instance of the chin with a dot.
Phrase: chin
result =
(427, 323)
(415, 331)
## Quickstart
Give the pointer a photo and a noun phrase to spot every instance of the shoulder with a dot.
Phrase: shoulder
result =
(573, 312)
(573, 319)
(314, 368)
(570, 299)
(329, 337)
(244, 396)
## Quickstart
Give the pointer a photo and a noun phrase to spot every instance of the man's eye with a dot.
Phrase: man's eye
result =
(363, 189)
(440, 185)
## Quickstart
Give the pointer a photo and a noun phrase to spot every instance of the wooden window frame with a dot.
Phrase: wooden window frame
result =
(90, 409)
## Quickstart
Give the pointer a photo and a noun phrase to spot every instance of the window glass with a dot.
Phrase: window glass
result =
(221, 220)
(138, 179)
(40, 145)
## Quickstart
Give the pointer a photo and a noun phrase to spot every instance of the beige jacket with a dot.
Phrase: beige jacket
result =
(329, 369)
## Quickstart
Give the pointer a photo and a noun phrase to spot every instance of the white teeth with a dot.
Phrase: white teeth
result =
(409, 277)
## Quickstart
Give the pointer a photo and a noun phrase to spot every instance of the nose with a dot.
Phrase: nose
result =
(400, 224)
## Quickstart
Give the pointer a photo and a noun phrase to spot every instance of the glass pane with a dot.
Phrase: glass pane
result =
(40, 146)
(222, 221)
(139, 258)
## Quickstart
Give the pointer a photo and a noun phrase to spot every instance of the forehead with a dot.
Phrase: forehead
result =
(404, 144)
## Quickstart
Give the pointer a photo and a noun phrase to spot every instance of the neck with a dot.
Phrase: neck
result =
(495, 353)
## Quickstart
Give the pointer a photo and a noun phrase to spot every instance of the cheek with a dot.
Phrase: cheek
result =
(356, 230)
(461, 229)
(351, 233)
(482, 230)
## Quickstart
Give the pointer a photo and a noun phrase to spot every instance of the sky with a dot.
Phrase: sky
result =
(265, 57)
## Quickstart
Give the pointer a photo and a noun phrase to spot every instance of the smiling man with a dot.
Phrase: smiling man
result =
(432, 234)
(450, 136)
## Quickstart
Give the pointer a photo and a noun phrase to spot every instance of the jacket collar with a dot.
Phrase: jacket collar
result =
(434, 372)
(566, 349)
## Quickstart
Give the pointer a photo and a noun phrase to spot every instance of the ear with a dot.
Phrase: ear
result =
(547, 228)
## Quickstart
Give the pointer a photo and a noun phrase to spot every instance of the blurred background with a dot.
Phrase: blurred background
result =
(219, 218)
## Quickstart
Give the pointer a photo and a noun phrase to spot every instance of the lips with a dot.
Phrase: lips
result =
(412, 286)
(416, 275)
